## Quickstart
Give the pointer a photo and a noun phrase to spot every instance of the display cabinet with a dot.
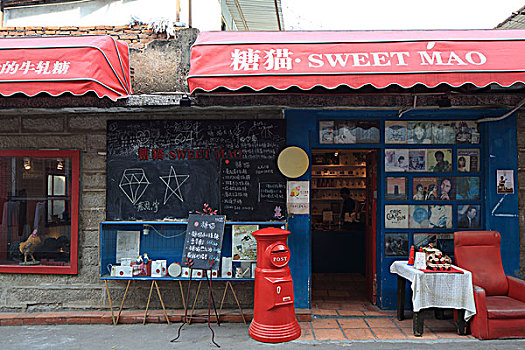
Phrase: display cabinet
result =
(163, 240)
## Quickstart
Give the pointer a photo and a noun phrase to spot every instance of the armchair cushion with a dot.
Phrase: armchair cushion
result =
(502, 307)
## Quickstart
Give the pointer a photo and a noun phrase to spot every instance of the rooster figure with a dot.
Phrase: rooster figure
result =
(29, 247)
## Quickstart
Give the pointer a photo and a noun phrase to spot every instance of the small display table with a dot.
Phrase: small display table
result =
(436, 289)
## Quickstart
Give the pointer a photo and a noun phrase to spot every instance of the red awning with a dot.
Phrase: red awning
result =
(380, 58)
(76, 64)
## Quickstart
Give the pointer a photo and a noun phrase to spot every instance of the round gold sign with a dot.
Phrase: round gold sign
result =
(293, 162)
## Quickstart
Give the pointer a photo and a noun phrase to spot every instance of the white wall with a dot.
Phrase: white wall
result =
(205, 13)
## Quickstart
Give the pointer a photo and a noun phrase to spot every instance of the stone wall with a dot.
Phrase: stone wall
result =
(87, 132)
(158, 63)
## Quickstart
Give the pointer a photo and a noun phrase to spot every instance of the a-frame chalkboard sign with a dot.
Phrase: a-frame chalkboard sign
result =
(203, 244)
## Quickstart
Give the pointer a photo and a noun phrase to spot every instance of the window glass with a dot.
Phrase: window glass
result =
(35, 199)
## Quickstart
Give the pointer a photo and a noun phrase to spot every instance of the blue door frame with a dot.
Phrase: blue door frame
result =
(500, 212)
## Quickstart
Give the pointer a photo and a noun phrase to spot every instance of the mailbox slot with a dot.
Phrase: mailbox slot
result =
(279, 255)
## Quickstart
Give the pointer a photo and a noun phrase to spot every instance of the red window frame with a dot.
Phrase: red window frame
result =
(72, 269)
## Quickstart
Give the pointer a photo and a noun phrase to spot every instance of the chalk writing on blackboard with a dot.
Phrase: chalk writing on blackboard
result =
(272, 192)
(219, 162)
(203, 244)
(173, 183)
(134, 183)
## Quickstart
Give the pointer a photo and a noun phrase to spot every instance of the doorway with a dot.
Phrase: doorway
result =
(343, 225)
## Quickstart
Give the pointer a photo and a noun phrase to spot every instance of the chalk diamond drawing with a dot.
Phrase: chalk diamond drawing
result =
(173, 185)
(134, 183)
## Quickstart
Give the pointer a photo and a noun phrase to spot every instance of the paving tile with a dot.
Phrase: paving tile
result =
(306, 334)
(451, 335)
(329, 334)
(353, 306)
(352, 323)
(325, 323)
(359, 334)
(427, 334)
(380, 322)
(350, 313)
(378, 313)
(325, 312)
(406, 323)
(389, 333)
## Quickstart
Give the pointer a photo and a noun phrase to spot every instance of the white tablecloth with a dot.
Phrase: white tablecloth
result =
(444, 290)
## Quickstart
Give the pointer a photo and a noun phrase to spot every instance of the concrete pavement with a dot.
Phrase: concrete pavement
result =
(198, 336)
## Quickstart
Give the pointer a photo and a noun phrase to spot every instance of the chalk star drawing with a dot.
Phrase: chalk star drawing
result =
(175, 190)
(134, 183)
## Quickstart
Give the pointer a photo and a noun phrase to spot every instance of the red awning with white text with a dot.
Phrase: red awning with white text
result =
(56, 65)
(281, 60)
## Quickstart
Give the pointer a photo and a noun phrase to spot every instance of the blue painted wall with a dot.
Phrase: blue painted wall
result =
(498, 151)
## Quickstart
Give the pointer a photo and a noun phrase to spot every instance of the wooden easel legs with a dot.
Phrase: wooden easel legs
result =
(110, 304)
(161, 302)
(153, 284)
(228, 283)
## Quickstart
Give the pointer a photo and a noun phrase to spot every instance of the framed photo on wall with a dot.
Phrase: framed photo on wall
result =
(467, 132)
(396, 188)
(442, 241)
(439, 160)
(418, 216)
(345, 132)
(446, 190)
(396, 160)
(440, 216)
(368, 131)
(469, 216)
(396, 244)
(468, 160)
(467, 188)
(417, 160)
(396, 216)
(444, 132)
(424, 188)
(505, 181)
(395, 131)
(326, 131)
(419, 132)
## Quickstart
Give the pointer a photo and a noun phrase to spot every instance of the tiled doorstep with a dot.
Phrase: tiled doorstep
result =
(374, 328)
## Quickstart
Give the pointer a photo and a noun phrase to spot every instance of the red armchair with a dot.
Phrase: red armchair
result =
(500, 299)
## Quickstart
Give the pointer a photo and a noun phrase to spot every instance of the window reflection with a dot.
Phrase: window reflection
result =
(35, 197)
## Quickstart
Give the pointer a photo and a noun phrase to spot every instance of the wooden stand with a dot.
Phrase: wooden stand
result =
(228, 283)
(153, 284)
(187, 319)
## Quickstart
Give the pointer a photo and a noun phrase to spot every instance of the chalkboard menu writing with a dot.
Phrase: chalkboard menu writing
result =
(166, 169)
(202, 247)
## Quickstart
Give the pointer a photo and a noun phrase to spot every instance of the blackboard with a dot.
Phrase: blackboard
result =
(167, 169)
(203, 243)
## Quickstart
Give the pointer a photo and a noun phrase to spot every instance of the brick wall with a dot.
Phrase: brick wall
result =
(137, 36)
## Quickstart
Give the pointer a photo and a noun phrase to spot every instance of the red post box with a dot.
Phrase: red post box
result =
(273, 311)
